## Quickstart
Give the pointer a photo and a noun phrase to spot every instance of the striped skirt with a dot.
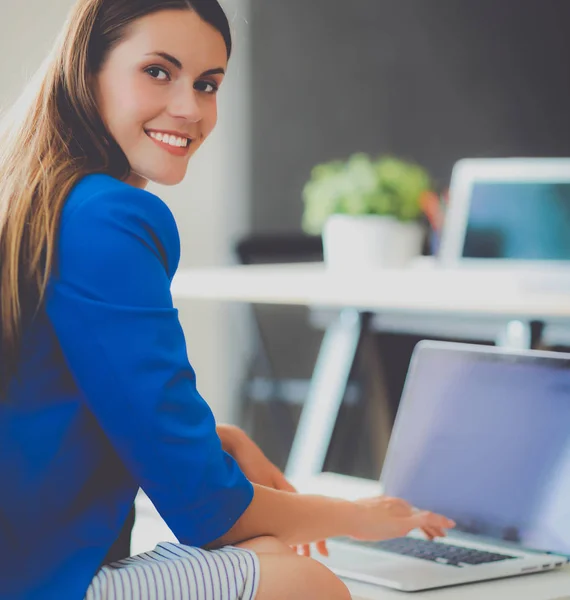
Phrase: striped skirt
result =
(177, 572)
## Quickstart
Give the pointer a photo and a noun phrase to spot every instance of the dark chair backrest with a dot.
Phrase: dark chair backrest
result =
(279, 248)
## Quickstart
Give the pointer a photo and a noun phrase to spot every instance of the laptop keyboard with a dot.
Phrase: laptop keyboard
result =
(446, 554)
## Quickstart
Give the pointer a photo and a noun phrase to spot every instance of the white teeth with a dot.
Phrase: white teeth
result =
(171, 140)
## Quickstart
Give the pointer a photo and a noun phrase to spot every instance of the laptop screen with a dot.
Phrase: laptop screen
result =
(518, 220)
(484, 438)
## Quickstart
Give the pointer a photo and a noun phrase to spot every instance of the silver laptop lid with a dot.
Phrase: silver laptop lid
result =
(482, 435)
(511, 212)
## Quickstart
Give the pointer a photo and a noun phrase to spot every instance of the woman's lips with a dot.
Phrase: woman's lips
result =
(176, 150)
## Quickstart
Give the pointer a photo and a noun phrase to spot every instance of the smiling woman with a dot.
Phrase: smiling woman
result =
(97, 397)
(157, 82)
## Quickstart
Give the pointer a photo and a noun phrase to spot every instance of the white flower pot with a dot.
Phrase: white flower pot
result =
(370, 241)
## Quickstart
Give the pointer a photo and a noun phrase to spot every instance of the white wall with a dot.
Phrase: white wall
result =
(211, 206)
(25, 41)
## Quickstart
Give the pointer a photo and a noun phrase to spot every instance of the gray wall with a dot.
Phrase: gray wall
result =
(429, 80)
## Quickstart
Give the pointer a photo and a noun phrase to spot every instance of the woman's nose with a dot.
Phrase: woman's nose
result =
(185, 104)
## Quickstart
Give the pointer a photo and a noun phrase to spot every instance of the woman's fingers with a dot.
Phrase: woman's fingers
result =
(425, 519)
(433, 525)
(397, 505)
(390, 517)
(433, 532)
(322, 548)
(280, 483)
(305, 549)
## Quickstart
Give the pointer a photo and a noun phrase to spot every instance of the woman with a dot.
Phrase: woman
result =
(97, 395)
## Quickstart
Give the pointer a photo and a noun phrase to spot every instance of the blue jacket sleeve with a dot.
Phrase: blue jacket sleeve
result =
(110, 305)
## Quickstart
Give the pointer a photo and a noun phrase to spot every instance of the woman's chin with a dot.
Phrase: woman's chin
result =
(173, 180)
(167, 178)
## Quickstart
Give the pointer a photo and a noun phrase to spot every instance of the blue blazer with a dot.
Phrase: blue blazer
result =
(104, 402)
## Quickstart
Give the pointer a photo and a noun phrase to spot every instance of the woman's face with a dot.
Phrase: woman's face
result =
(156, 93)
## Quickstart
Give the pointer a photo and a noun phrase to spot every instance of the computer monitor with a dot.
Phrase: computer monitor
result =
(511, 213)
(482, 435)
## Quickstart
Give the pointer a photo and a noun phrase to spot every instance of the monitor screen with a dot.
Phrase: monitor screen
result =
(485, 440)
(519, 221)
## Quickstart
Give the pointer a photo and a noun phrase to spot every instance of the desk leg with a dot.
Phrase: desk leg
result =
(328, 386)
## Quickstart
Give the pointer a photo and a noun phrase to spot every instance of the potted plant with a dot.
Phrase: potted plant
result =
(367, 210)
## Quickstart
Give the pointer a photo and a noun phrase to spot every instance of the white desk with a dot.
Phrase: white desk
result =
(426, 291)
(496, 300)
(539, 586)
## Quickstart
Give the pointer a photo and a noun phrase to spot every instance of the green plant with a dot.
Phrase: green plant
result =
(364, 186)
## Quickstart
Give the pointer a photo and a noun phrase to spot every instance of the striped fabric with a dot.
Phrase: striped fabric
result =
(178, 572)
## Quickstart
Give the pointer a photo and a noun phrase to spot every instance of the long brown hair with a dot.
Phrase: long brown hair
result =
(50, 139)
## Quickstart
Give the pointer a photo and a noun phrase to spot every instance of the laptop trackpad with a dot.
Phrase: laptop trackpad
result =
(384, 568)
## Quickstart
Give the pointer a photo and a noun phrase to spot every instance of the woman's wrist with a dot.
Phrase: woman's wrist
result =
(322, 517)
(294, 518)
(352, 518)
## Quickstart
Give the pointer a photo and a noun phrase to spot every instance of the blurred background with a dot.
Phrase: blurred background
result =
(311, 82)
(429, 81)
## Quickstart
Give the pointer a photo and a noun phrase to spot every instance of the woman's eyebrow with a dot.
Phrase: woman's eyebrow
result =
(171, 59)
(167, 57)
(218, 71)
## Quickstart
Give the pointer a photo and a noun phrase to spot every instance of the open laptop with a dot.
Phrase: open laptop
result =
(508, 213)
(482, 436)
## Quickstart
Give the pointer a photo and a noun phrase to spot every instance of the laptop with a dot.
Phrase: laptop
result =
(509, 213)
(482, 436)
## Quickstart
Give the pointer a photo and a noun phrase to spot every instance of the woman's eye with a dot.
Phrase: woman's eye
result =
(206, 86)
(155, 71)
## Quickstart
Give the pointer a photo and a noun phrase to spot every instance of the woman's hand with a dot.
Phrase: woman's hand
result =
(258, 468)
(386, 518)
